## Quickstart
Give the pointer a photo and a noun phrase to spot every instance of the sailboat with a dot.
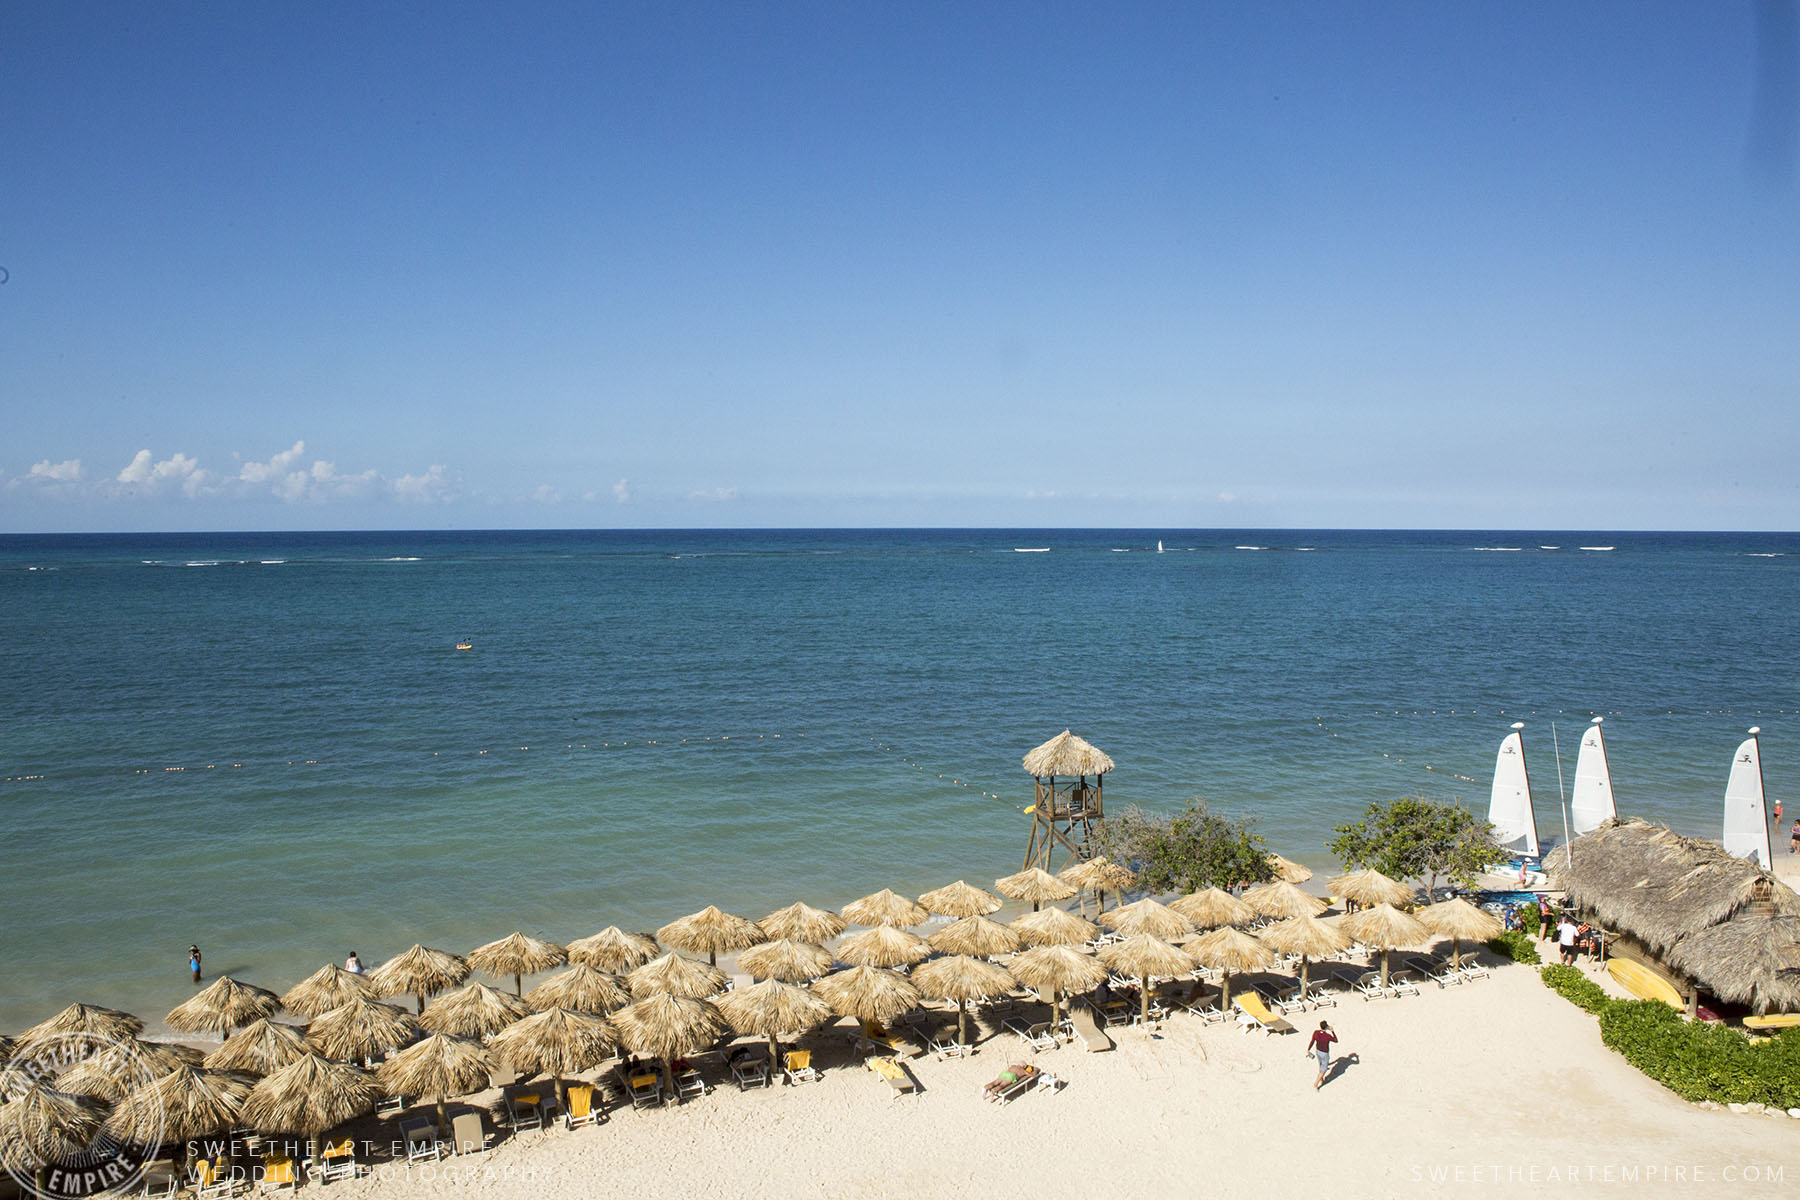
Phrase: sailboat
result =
(1746, 814)
(1159, 548)
(1509, 808)
(1591, 803)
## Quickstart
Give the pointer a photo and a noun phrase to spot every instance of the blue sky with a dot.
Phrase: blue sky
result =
(1483, 265)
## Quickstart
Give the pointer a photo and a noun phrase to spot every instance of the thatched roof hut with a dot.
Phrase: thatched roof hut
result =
(886, 907)
(581, 988)
(1035, 885)
(711, 932)
(474, 1010)
(961, 899)
(262, 1047)
(614, 950)
(222, 1006)
(518, 955)
(325, 989)
(1724, 923)
(981, 936)
(1065, 754)
(787, 961)
(1054, 927)
(883, 946)
(801, 922)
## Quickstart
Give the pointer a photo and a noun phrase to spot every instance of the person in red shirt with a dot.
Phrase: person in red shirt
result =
(1320, 1049)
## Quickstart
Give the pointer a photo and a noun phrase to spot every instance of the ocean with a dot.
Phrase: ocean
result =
(268, 744)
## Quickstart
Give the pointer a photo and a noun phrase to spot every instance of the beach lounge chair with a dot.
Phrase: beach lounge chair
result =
(280, 1172)
(387, 1106)
(1438, 971)
(645, 1089)
(213, 1179)
(337, 1160)
(1253, 1014)
(880, 1035)
(1088, 1030)
(940, 1039)
(1113, 1012)
(1473, 970)
(797, 1066)
(422, 1144)
(1401, 984)
(582, 1109)
(502, 1077)
(1036, 1036)
(1368, 983)
(893, 1074)
(469, 1133)
(1015, 1079)
(1274, 1000)
(522, 1111)
(1316, 994)
(749, 1070)
(689, 1083)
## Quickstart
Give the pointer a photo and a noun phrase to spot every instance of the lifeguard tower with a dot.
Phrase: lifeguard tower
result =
(1067, 812)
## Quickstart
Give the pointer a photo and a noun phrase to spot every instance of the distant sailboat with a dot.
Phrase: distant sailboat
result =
(1509, 808)
(1746, 814)
(1591, 803)
(1159, 548)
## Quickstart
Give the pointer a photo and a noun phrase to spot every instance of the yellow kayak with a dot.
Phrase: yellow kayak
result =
(1643, 982)
(1773, 1021)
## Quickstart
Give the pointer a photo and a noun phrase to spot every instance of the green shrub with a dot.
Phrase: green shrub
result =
(1700, 1060)
(1575, 987)
(1528, 918)
(1514, 945)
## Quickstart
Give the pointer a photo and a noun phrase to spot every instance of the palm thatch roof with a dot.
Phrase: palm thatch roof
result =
(1060, 968)
(1306, 936)
(361, 1029)
(1282, 900)
(1054, 927)
(868, 993)
(614, 950)
(309, 1096)
(1289, 871)
(183, 1104)
(802, 923)
(1212, 907)
(883, 946)
(325, 989)
(666, 1026)
(440, 1065)
(517, 954)
(676, 976)
(581, 988)
(557, 1042)
(1459, 919)
(1230, 950)
(421, 972)
(963, 977)
(976, 935)
(473, 1010)
(44, 1126)
(960, 899)
(886, 907)
(1066, 754)
(1146, 955)
(774, 1007)
(110, 1070)
(1035, 885)
(1723, 922)
(106, 1024)
(222, 1006)
(1385, 928)
(711, 932)
(259, 1048)
(1147, 916)
(787, 961)
(1089, 874)
(1370, 886)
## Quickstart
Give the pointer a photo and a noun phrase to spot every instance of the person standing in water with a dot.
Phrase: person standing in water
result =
(194, 962)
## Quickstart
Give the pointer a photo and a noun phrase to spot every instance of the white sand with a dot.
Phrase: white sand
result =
(1490, 1088)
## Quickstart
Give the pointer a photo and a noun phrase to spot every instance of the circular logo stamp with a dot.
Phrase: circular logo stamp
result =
(87, 1125)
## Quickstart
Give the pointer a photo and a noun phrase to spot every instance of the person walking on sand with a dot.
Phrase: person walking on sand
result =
(1565, 938)
(1320, 1049)
(1778, 816)
(194, 962)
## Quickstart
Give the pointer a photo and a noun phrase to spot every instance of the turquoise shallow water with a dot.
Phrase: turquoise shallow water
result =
(649, 722)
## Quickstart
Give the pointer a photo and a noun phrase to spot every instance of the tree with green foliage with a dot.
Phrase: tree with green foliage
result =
(1190, 850)
(1415, 838)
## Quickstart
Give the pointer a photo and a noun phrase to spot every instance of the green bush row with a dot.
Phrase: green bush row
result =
(1575, 987)
(1528, 918)
(1514, 945)
(1702, 1060)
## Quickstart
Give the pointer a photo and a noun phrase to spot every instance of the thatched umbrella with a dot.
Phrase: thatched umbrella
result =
(106, 1024)
(963, 978)
(614, 950)
(1282, 900)
(360, 1030)
(802, 923)
(474, 1010)
(1289, 871)
(1054, 927)
(788, 961)
(581, 988)
(518, 955)
(1459, 920)
(325, 989)
(419, 972)
(665, 1026)
(676, 976)
(179, 1107)
(1229, 950)
(1061, 968)
(222, 1006)
(886, 907)
(1035, 884)
(1098, 875)
(1212, 907)
(869, 994)
(883, 946)
(557, 1042)
(979, 936)
(114, 1070)
(960, 899)
(1146, 955)
(1370, 887)
(771, 1008)
(1148, 916)
(1067, 755)
(259, 1048)
(1385, 928)
(1306, 936)
(42, 1127)
(310, 1096)
(440, 1066)
(711, 932)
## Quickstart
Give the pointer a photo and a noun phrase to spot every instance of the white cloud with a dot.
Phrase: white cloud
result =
(178, 469)
(1228, 497)
(68, 471)
(433, 486)
(721, 494)
(545, 494)
(285, 476)
(278, 464)
(622, 491)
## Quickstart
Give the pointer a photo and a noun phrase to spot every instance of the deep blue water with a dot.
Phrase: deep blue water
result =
(349, 779)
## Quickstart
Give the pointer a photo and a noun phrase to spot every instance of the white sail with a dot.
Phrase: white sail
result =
(1591, 802)
(1509, 809)
(1746, 816)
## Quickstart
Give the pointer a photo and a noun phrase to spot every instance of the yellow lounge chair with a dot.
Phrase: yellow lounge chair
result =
(880, 1036)
(797, 1066)
(581, 1106)
(890, 1070)
(214, 1179)
(279, 1173)
(1255, 1013)
(337, 1160)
